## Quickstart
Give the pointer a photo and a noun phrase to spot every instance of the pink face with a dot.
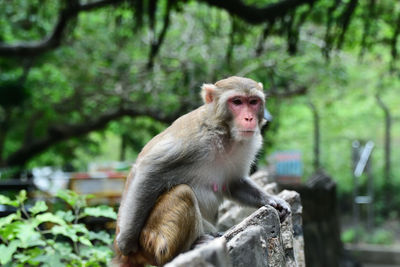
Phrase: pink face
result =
(245, 110)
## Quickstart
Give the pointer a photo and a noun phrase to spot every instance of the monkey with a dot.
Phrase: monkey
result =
(202, 157)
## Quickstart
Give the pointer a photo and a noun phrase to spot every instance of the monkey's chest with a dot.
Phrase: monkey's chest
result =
(209, 201)
(212, 183)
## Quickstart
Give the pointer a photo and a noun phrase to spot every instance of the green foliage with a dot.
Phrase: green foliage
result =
(360, 234)
(381, 237)
(348, 236)
(38, 237)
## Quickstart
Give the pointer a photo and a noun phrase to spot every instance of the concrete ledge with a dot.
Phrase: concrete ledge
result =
(378, 254)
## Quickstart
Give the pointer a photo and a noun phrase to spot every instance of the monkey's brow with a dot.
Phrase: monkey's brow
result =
(244, 96)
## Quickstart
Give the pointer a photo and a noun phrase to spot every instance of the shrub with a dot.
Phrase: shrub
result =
(381, 237)
(38, 237)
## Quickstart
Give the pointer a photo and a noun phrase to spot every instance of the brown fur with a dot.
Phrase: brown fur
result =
(159, 240)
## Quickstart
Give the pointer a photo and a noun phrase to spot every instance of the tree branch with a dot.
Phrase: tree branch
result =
(255, 15)
(63, 132)
(370, 13)
(24, 49)
(346, 19)
(260, 44)
(393, 42)
(156, 44)
(328, 35)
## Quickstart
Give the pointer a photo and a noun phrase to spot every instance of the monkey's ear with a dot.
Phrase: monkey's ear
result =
(261, 85)
(208, 92)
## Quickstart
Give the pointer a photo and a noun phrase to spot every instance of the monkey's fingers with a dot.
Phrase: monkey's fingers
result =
(283, 210)
(217, 234)
(283, 213)
(281, 206)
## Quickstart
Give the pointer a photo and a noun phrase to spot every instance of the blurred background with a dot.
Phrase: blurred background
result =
(85, 84)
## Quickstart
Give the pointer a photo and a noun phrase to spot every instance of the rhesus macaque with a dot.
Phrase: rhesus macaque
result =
(172, 195)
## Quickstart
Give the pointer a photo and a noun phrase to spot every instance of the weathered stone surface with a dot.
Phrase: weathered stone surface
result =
(249, 248)
(233, 216)
(291, 229)
(267, 218)
(253, 237)
(212, 254)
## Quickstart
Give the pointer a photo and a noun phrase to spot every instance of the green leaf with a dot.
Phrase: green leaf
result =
(29, 236)
(66, 231)
(68, 216)
(102, 236)
(29, 255)
(39, 207)
(51, 258)
(85, 241)
(21, 196)
(68, 196)
(97, 254)
(8, 219)
(100, 211)
(6, 252)
(7, 201)
(9, 231)
(80, 228)
(90, 196)
(63, 247)
(48, 217)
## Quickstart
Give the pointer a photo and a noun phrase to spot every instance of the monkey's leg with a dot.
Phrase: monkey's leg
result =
(173, 225)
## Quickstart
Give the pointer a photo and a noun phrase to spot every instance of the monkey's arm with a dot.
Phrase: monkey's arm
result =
(247, 192)
(140, 198)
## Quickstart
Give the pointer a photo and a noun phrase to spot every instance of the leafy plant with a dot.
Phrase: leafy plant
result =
(381, 237)
(38, 237)
(348, 236)
(360, 234)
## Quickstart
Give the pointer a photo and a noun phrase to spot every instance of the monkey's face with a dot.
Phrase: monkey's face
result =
(245, 112)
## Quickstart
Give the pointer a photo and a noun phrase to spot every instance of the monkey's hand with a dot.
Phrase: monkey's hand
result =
(126, 243)
(280, 205)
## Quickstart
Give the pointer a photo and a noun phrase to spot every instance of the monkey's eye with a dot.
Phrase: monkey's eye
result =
(253, 102)
(237, 102)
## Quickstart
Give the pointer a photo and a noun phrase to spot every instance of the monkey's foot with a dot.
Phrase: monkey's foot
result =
(125, 245)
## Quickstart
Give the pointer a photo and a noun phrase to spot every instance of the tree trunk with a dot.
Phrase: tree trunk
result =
(387, 141)
(122, 154)
(316, 119)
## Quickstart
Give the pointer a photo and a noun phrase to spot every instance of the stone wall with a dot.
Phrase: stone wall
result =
(321, 227)
(252, 237)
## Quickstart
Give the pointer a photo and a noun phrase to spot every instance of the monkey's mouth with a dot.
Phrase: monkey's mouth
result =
(246, 133)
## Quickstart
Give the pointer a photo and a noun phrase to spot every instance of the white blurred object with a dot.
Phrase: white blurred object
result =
(50, 179)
